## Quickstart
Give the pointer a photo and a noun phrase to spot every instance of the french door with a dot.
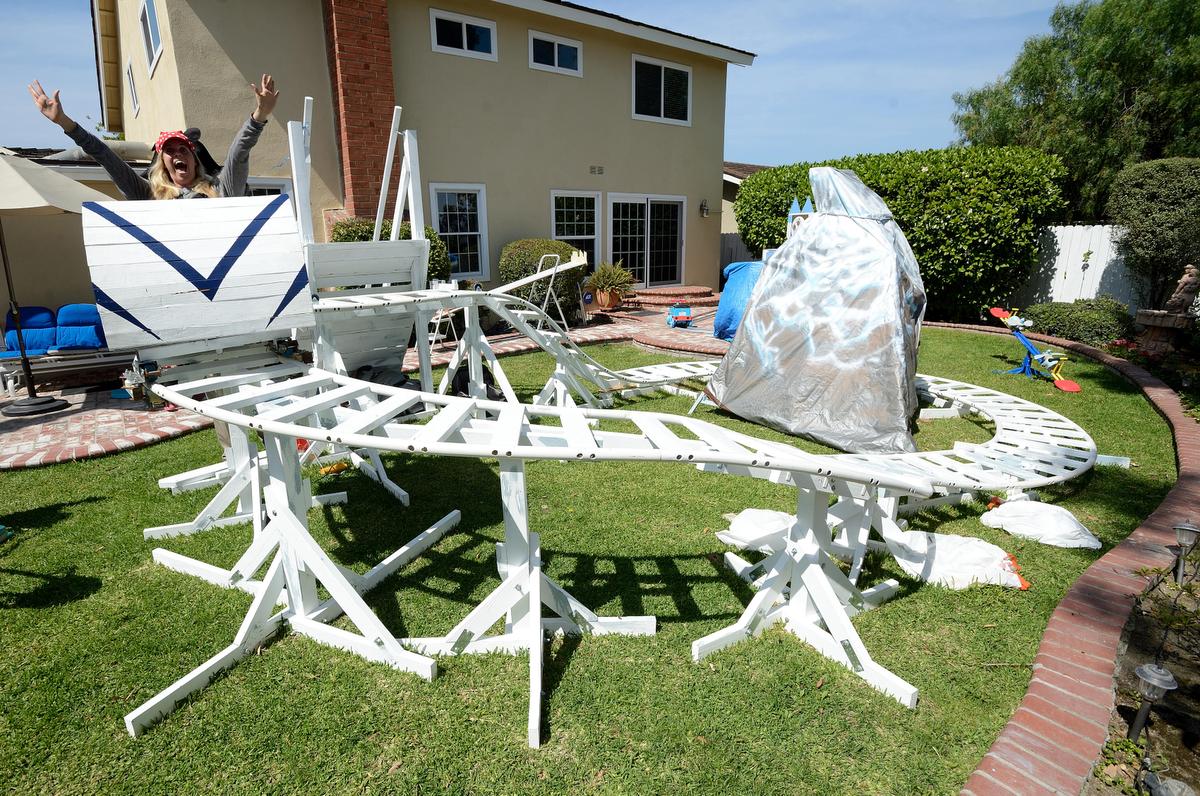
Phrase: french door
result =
(646, 235)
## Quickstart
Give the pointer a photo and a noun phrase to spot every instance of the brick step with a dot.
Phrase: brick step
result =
(663, 302)
(675, 290)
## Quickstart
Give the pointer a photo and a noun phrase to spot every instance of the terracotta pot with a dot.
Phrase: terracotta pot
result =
(608, 299)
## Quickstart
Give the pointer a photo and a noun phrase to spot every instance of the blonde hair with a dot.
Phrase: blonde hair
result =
(161, 186)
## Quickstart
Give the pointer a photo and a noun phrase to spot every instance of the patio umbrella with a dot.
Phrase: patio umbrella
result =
(28, 189)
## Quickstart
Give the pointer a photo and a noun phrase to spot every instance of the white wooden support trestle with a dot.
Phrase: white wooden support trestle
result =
(297, 567)
(817, 599)
(803, 587)
(519, 599)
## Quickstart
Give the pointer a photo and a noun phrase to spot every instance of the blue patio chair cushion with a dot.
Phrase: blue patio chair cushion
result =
(37, 327)
(79, 327)
(16, 353)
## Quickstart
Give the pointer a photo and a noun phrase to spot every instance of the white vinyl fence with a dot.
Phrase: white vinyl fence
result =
(1079, 261)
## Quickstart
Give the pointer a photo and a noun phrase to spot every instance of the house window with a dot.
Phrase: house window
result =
(455, 34)
(662, 91)
(575, 219)
(555, 54)
(268, 186)
(133, 98)
(151, 38)
(462, 225)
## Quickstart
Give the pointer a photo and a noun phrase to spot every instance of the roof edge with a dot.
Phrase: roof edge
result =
(638, 30)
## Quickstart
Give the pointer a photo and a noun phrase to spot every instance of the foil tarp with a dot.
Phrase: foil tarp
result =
(827, 348)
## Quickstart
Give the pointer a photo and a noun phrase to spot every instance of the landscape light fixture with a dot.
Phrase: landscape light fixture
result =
(1154, 681)
(1185, 534)
(704, 208)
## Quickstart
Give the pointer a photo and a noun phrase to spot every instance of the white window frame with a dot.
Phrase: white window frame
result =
(558, 70)
(480, 189)
(284, 184)
(147, 40)
(437, 13)
(133, 97)
(647, 198)
(600, 237)
(633, 91)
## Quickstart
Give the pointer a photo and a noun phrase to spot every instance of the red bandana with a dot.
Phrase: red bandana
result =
(164, 137)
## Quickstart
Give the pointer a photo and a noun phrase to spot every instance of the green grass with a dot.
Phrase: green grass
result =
(90, 628)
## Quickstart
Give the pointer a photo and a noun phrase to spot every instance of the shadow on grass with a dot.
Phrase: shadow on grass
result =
(45, 516)
(36, 519)
(372, 524)
(51, 589)
(554, 668)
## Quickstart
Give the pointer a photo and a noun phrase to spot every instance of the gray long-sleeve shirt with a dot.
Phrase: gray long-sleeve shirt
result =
(231, 181)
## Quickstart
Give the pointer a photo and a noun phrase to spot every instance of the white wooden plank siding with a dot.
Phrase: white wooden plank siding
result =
(128, 244)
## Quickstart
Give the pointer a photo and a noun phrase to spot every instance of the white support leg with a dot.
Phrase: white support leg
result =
(804, 587)
(518, 601)
(210, 516)
(306, 565)
(256, 628)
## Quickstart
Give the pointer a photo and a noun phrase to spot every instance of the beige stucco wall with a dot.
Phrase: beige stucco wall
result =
(46, 257)
(226, 46)
(211, 53)
(728, 197)
(524, 132)
(160, 106)
(223, 47)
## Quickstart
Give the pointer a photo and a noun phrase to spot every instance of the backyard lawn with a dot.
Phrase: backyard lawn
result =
(91, 628)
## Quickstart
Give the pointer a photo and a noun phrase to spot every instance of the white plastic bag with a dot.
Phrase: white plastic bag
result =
(1042, 522)
(955, 562)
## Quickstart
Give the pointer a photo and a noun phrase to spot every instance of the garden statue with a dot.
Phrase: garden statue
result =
(1185, 292)
(1162, 326)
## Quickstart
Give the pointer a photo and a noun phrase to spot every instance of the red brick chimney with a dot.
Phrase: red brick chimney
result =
(359, 45)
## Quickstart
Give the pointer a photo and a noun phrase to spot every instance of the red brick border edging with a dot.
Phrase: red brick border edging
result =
(1057, 732)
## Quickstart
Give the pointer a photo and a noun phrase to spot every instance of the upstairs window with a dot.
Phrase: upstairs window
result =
(151, 38)
(455, 34)
(551, 53)
(662, 91)
(133, 97)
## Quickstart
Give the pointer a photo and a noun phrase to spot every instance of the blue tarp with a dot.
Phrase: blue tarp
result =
(740, 279)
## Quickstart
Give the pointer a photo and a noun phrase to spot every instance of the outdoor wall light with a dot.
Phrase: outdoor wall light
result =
(704, 208)
(1154, 682)
(1185, 534)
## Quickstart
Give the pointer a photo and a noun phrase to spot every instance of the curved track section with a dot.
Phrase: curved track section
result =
(1033, 446)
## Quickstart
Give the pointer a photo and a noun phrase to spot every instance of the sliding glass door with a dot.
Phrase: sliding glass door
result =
(646, 235)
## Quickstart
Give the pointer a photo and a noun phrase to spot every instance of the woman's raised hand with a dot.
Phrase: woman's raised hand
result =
(267, 96)
(50, 106)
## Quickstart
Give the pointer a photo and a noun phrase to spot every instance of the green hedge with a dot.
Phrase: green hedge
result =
(360, 229)
(1158, 204)
(971, 215)
(520, 258)
(1096, 321)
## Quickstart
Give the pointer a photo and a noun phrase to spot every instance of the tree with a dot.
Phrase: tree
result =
(1158, 204)
(1116, 82)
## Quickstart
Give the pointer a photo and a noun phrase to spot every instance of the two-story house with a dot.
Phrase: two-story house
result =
(535, 118)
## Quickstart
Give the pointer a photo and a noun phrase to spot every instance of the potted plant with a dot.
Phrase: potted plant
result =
(610, 283)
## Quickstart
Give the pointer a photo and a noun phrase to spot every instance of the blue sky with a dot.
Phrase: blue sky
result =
(838, 77)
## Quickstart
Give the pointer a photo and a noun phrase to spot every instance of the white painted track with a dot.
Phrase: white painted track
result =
(1033, 446)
